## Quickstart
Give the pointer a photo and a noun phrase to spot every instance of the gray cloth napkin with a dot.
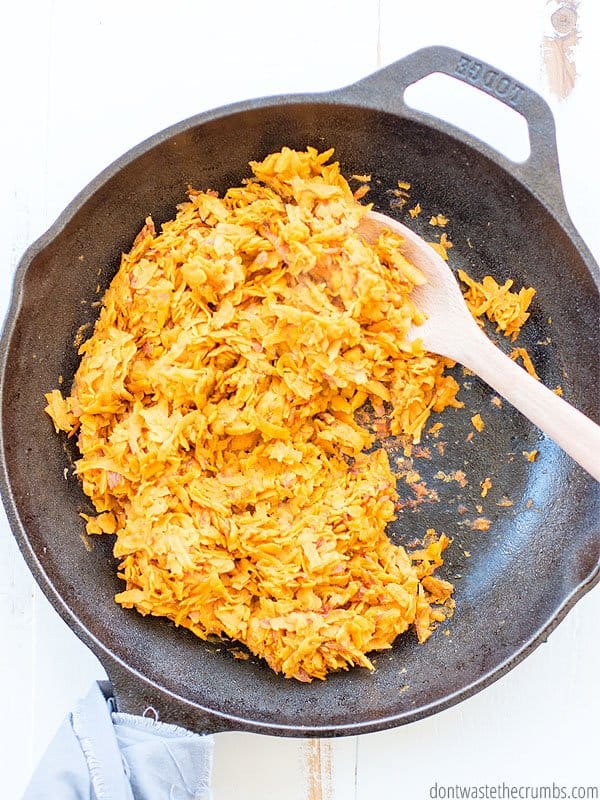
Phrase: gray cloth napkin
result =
(99, 754)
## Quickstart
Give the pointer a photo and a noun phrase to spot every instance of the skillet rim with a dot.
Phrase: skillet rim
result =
(217, 720)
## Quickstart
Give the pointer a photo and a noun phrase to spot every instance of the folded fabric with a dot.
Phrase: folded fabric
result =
(100, 754)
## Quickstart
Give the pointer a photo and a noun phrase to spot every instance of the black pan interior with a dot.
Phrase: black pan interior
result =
(518, 573)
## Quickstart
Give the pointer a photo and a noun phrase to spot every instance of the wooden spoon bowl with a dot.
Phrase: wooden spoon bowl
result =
(451, 331)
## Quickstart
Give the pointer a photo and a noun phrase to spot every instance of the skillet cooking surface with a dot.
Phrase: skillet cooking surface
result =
(520, 573)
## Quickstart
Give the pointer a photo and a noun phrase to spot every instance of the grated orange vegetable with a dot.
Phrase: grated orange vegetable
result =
(215, 408)
(439, 219)
(477, 422)
(507, 309)
(361, 191)
(530, 455)
(481, 524)
(442, 246)
(505, 502)
(521, 352)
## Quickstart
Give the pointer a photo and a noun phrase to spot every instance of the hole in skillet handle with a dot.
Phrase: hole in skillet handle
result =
(501, 126)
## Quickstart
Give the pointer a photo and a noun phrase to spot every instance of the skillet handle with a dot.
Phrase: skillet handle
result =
(385, 90)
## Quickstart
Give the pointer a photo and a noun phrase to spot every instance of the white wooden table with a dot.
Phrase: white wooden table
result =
(81, 83)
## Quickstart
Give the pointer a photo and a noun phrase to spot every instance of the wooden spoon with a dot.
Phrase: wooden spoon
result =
(451, 331)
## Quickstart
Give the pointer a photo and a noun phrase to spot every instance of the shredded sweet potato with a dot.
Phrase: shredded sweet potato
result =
(442, 246)
(439, 219)
(486, 485)
(477, 422)
(481, 524)
(530, 455)
(215, 406)
(521, 353)
(507, 309)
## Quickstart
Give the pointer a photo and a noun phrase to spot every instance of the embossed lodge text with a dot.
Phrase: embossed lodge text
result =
(491, 80)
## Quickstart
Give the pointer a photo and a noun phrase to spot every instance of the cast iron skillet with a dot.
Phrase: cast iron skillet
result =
(522, 576)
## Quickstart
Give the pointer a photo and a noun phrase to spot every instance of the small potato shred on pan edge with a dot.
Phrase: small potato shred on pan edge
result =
(214, 407)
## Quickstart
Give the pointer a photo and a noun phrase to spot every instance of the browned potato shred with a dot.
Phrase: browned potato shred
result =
(215, 412)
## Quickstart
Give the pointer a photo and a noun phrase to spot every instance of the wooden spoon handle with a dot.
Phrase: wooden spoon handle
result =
(570, 429)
